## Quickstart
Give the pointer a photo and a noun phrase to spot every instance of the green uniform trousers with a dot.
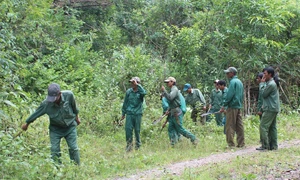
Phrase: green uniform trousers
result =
(175, 128)
(133, 122)
(234, 124)
(70, 134)
(268, 130)
(196, 115)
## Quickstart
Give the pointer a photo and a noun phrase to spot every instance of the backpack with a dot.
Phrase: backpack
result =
(182, 103)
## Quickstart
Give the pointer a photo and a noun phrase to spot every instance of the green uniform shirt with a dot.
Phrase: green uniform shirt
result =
(194, 97)
(133, 103)
(235, 94)
(62, 115)
(172, 97)
(270, 96)
(215, 99)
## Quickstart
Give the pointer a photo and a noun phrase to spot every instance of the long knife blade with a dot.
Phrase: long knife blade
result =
(159, 119)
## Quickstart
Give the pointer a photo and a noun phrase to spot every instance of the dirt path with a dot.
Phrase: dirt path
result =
(178, 168)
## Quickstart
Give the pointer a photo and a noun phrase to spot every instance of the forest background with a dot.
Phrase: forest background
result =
(94, 47)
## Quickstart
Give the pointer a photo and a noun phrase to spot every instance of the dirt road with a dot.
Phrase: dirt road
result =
(178, 168)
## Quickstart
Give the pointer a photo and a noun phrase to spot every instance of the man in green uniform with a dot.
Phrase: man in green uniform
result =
(222, 86)
(176, 114)
(271, 106)
(133, 109)
(234, 102)
(259, 98)
(196, 99)
(174, 135)
(61, 108)
(215, 104)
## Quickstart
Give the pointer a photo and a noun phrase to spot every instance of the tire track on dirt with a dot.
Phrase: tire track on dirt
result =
(178, 168)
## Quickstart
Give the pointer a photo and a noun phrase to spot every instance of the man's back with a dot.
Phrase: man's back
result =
(235, 94)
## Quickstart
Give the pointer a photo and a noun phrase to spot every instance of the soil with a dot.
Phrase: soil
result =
(177, 168)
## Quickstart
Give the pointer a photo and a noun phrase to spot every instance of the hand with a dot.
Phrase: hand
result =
(25, 127)
(134, 82)
(222, 109)
(78, 120)
(263, 79)
(123, 117)
(162, 88)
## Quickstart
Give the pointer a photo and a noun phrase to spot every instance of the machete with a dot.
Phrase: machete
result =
(205, 114)
(159, 119)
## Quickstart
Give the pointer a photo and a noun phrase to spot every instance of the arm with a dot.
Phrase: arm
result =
(223, 97)
(75, 108)
(124, 107)
(73, 104)
(172, 94)
(141, 90)
(201, 97)
(230, 94)
(259, 104)
(268, 89)
(41, 110)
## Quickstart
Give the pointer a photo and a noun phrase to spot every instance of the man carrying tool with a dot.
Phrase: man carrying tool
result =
(176, 115)
(173, 133)
(133, 109)
(196, 99)
(234, 102)
(61, 108)
(215, 104)
(271, 107)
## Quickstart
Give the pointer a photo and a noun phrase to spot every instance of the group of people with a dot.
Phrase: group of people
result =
(62, 110)
(222, 99)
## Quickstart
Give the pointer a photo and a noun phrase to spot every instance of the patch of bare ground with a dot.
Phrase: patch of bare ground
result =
(178, 168)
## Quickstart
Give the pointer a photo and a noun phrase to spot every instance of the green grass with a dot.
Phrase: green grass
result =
(104, 157)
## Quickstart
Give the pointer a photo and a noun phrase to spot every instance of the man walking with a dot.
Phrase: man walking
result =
(196, 99)
(234, 102)
(61, 108)
(215, 104)
(271, 106)
(174, 135)
(176, 115)
(133, 110)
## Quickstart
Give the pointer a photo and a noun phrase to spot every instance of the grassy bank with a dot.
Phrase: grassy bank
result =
(27, 156)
